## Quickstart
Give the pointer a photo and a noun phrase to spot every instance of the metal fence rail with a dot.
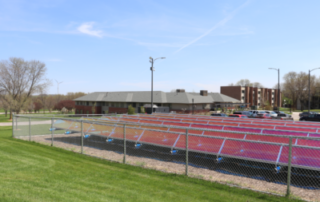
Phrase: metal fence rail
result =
(279, 168)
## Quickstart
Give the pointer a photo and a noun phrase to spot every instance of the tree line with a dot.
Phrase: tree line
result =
(23, 86)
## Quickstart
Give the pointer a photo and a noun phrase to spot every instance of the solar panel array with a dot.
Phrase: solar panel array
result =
(245, 141)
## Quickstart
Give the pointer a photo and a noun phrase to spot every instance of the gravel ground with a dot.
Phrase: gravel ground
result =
(171, 167)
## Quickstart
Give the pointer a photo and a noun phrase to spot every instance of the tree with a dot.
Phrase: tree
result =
(246, 82)
(131, 110)
(37, 106)
(68, 104)
(295, 87)
(19, 79)
(94, 108)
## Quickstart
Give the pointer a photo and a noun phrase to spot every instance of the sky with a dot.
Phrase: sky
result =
(105, 45)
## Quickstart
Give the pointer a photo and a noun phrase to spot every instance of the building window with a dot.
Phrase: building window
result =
(242, 91)
(81, 111)
(87, 103)
(259, 92)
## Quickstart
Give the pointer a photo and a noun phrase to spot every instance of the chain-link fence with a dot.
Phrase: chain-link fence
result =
(273, 163)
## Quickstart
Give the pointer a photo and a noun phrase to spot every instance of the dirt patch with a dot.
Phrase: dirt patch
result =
(178, 168)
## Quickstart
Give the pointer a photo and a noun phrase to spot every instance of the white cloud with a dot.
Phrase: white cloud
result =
(87, 28)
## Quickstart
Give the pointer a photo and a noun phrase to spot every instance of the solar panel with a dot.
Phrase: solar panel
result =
(251, 150)
(159, 138)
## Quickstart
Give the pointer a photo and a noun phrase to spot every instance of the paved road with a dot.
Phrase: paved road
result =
(295, 116)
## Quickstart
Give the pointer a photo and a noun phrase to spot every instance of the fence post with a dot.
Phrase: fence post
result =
(16, 122)
(29, 129)
(124, 144)
(187, 153)
(82, 136)
(289, 168)
(12, 124)
(52, 132)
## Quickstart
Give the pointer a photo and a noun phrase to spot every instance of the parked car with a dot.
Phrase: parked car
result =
(272, 113)
(256, 112)
(305, 114)
(282, 114)
(239, 116)
(263, 116)
(247, 113)
(220, 114)
(311, 117)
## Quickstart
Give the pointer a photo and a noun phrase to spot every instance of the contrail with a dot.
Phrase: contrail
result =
(222, 22)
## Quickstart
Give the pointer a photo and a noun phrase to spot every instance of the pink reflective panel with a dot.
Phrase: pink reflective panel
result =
(239, 129)
(212, 127)
(251, 150)
(301, 156)
(223, 123)
(263, 138)
(224, 134)
(257, 126)
(176, 124)
(279, 132)
(203, 144)
(310, 143)
(159, 138)
(131, 133)
(150, 122)
(313, 130)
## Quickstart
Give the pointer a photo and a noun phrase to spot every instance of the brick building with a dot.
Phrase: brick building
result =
(252, 95)
(179, 101)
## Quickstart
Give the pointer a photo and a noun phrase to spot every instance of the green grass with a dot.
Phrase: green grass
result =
(33, 172)
(288, 110)
(3, 118)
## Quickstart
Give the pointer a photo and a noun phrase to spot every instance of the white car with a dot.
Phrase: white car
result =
(272, 113)
(255, 112)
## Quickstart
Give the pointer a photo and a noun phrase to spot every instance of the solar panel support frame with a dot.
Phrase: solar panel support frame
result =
(82, 136)
(124, 144)
(29, 129)
(187, 153)
(289, 167)
(52, 132)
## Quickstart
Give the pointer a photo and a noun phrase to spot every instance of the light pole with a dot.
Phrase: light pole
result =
(278, 87)
(309, 89)
(152, 69)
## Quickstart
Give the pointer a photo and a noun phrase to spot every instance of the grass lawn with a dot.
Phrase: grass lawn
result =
(33, 172)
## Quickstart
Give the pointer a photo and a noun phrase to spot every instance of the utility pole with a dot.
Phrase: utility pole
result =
(151, 60)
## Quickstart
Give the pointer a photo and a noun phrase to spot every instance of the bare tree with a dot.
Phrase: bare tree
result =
(243, 82)
(257, 85)
(19, 79)
(295, 86)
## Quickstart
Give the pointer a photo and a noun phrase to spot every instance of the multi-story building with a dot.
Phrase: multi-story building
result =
(179, 101)
(252, 96)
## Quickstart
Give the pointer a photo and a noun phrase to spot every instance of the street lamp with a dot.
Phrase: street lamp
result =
(278, 87)
(152, 69)
(309, 89)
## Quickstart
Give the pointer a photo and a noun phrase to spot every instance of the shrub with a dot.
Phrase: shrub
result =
(68, 104)
(131, 110)
(142, 110)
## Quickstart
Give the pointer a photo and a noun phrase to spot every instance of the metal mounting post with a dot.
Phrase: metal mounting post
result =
(187, 153)
(124, 144)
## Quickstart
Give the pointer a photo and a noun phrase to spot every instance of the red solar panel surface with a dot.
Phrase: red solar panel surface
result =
(202, 144)
(251, 150)
(131, 134)
(224, 134)
(301, 156)
(255, 148)
(159, 138)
